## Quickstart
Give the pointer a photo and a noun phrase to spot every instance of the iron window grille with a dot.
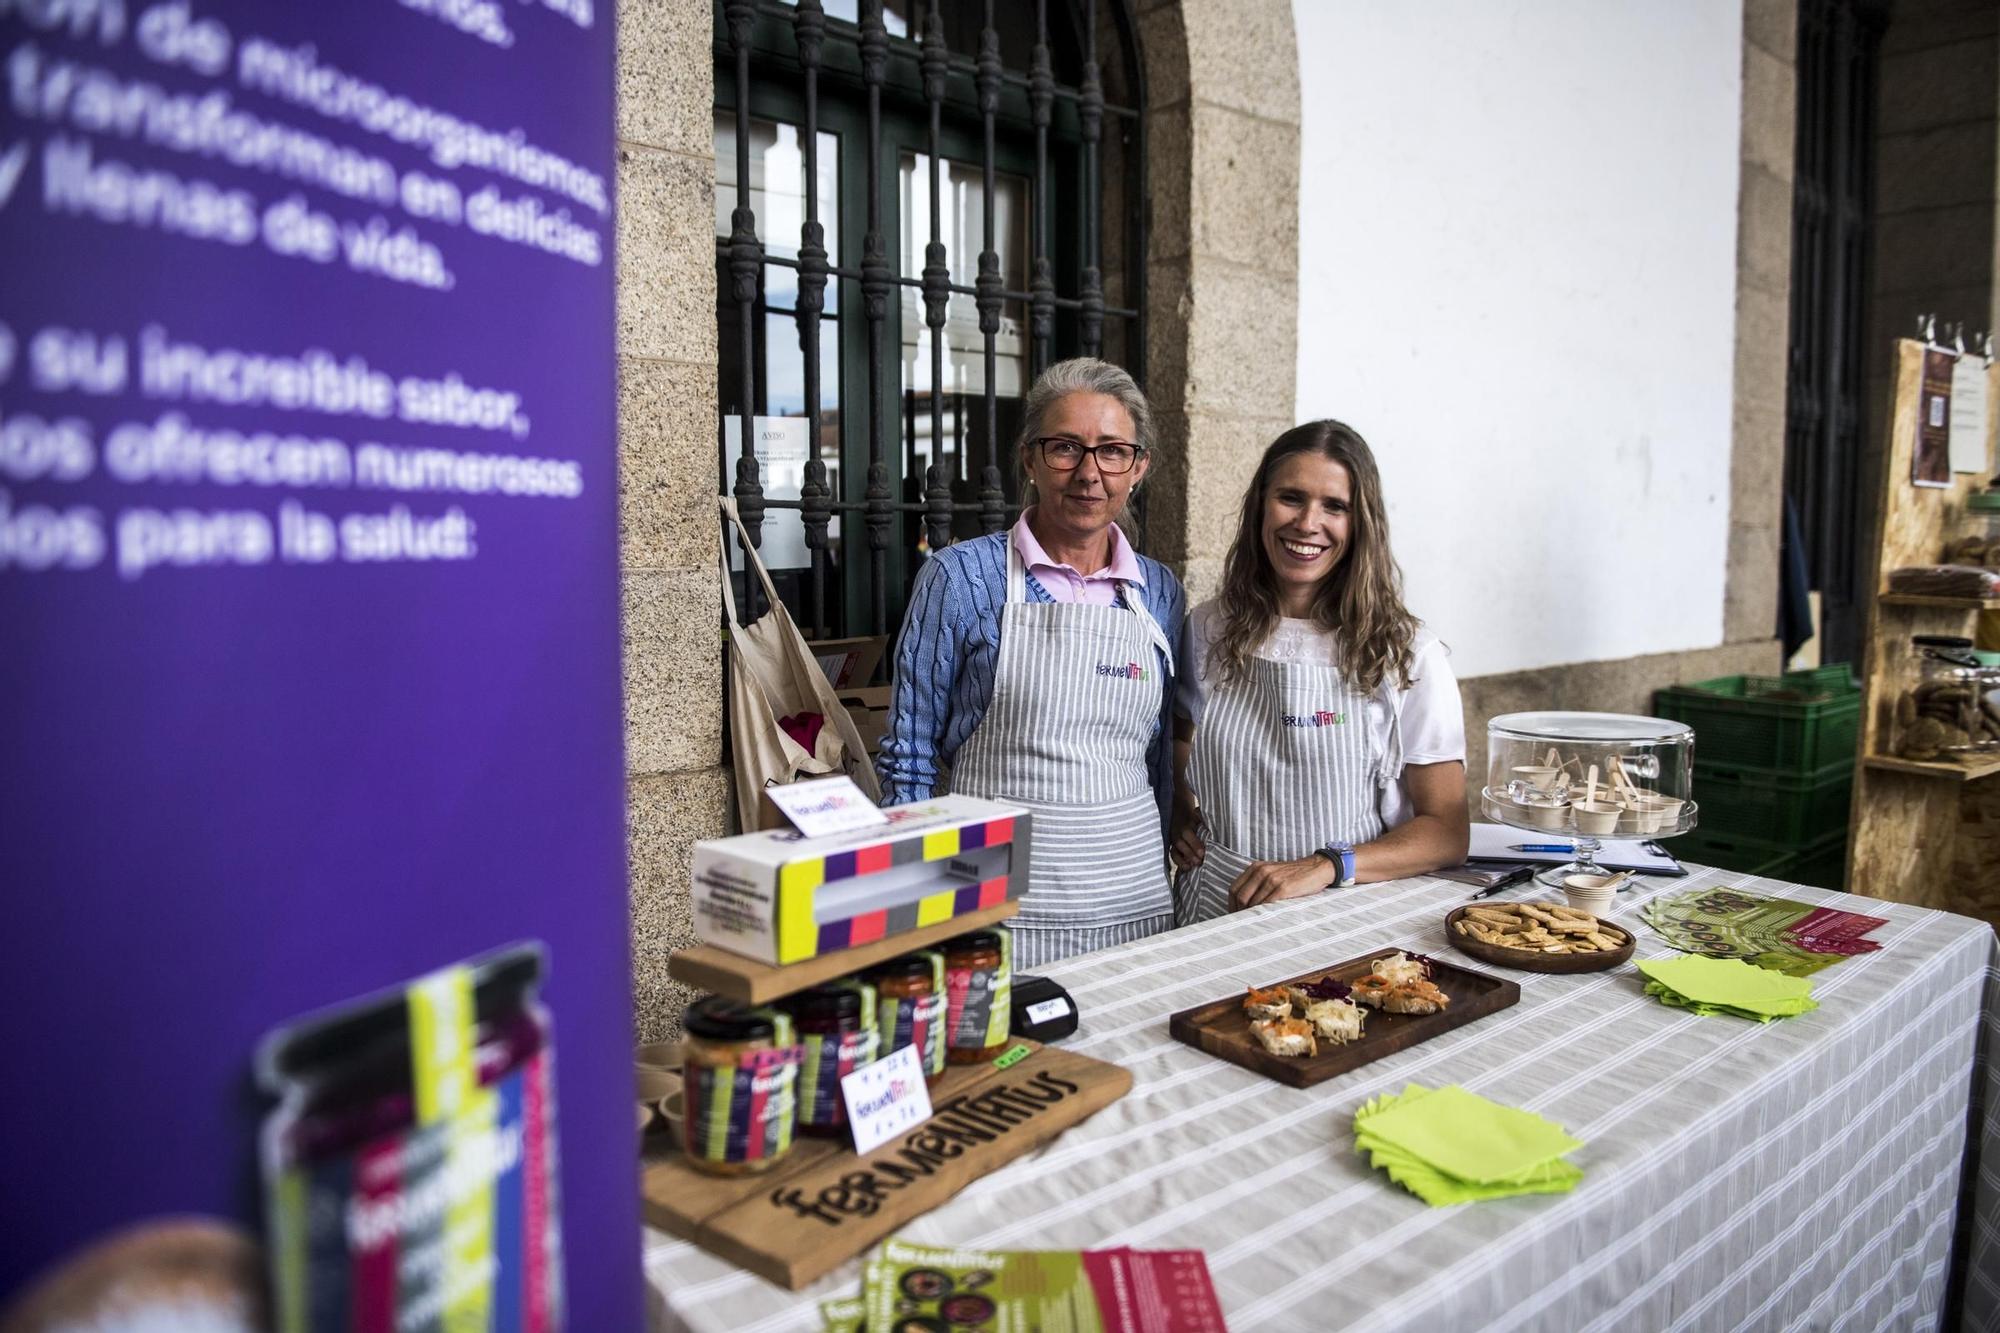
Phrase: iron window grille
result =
(1833, 204)
(913, 465)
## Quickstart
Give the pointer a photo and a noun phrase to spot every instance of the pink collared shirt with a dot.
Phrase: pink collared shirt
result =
(1063, 583)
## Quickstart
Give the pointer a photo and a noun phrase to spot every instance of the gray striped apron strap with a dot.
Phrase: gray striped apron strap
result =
(1077, 693)
(1284, 762)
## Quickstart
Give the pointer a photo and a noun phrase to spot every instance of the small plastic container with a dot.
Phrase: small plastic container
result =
(979, 995)
(740, 1086)
(1974, 538)
(1952, 707)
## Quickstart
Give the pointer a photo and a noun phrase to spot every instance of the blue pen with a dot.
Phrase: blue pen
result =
(1541, 847)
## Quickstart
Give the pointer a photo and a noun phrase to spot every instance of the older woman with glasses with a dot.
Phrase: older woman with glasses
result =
(1036, 667)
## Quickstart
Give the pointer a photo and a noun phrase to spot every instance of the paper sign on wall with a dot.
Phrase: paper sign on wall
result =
(1968, 414)
(886, 1098)
(825, 805)
(1930, 459)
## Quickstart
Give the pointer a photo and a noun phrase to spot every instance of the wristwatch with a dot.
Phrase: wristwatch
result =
(1341, 854)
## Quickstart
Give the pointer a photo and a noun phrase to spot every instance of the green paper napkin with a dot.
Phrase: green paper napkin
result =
(1494, 1151)
(1466, 1136)
(1727, 985)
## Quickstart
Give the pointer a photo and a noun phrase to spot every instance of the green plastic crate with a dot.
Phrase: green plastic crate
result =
(1804, 722)
(1824, 865)
(1772, 807)
(1749, 856)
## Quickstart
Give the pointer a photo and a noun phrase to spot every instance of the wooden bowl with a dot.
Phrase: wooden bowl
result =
(1534, 960)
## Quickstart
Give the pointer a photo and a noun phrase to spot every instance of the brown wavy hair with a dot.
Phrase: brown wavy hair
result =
(1362, 598)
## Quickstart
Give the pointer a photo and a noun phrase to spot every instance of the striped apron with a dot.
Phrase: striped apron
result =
(1076, 695)
(1283, 762)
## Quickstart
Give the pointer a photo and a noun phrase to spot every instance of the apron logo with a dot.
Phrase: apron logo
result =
(1322, 718)
(1125, 671)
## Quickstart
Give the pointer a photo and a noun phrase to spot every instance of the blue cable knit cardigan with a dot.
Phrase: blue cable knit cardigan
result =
(950, 646)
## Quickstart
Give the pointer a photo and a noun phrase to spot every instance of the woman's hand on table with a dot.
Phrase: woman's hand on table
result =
(1184, 842)
(1272, 881)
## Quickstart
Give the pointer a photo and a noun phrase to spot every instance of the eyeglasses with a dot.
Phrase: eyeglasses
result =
(1066, 455)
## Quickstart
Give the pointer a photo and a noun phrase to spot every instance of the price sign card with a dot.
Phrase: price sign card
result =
(886, 1098)
(825, 805)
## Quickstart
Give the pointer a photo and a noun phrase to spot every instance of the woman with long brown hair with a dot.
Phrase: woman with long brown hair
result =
(1319, 736)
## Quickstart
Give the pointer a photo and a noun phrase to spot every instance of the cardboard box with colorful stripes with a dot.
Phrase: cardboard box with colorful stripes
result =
(779, 897)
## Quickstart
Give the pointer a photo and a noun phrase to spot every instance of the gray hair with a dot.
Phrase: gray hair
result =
(1083, 374)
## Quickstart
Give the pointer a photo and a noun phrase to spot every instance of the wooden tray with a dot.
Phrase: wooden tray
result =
(1221, 1028)
(1528, 960)
(822, 1205)
(731, 974)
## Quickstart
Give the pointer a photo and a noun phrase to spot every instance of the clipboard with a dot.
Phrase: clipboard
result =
(1496, 842)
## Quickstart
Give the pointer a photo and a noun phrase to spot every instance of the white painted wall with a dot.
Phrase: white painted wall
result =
(1517, 280)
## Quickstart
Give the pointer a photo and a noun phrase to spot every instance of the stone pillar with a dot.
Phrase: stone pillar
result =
(1763, 319)
(668, 542)
(1223, 268)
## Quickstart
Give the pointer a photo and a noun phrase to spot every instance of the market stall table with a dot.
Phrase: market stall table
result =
(1805, 1172)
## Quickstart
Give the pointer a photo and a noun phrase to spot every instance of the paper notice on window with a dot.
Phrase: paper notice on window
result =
(1969, 422)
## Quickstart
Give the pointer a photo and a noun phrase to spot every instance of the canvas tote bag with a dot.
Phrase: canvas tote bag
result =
(773, 674)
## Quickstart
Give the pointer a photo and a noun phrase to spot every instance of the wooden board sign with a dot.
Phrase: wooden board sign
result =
(1222, 1029)
(822, 1205)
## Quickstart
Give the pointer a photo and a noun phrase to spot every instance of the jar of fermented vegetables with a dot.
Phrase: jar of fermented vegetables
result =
(739, 1074)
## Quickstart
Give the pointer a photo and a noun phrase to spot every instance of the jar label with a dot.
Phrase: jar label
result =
(449, 1223)
(979, 1001)
(744, 1112)
(918, 1021)
(828, 1059)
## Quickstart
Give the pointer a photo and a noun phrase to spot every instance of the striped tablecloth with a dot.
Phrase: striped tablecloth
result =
(1807, 1173)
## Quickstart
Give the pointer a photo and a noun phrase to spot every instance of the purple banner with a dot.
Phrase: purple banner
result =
(308, 575)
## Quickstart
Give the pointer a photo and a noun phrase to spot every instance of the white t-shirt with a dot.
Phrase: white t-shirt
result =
(1433, 719)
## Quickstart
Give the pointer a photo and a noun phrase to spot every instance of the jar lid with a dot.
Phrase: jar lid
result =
(977, 939)
(912, 965)
(1940, 641)
(714, 1018)
(350, 1035)
(1590, 728)
(831, 1000)
(1984, 502)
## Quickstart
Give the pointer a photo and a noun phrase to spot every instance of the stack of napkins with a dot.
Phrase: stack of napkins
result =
(1727, 986)
(1452, 1146)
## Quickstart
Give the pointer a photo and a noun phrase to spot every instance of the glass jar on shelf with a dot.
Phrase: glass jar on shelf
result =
(1951, 707)
(1589, 776)
(1974, 536)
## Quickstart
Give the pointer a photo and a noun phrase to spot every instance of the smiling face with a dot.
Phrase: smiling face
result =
(1077, 507)
(1307, 523)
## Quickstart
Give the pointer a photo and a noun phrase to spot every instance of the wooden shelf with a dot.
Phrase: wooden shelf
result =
(1943, 603)
(746, 979)
(1952, 770)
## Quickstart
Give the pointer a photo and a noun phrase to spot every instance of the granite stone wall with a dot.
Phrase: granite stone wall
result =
(677, 789)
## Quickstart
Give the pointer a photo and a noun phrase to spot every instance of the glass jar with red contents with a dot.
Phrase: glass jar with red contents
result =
(909, 1008)
(836, 1026)
(979, 985)
(404, 1120)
